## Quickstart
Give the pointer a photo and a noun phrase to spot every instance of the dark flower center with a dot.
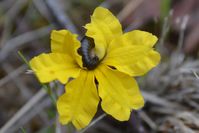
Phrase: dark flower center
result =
(89, 59)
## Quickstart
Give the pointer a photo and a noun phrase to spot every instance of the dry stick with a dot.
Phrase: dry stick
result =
(59, 15)
(93, 123)
(165, 30)
(6, 31)
(15, 9)
(129, 8)
(159, 100)
(160, 45)
(12, 74)
(35, 99)
(9, 17)
(178, 56)
(192, 103)
(195, 74)
(38, 109)
(148, 120)
(24, 90)
(23, 20)
(179, 126)
(105, 4)
(182, 30)
(22, 39)
(42, 9)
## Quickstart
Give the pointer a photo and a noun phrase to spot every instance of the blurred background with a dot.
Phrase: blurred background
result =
(171, 90)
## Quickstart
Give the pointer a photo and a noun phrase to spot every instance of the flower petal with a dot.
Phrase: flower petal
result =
(138, 37)
(104, 27)
(135, 38)
(119, 92)
(79, 103)
(52, 66)
(130, 57)
(63, 41)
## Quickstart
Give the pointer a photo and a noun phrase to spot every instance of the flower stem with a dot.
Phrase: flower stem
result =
(24, 59)
(49, 92)
(45, 86)
(22, 130)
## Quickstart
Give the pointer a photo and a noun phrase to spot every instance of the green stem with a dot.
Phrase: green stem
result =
(24, 59)
(44, 86)
(22, 130)
(50, 93)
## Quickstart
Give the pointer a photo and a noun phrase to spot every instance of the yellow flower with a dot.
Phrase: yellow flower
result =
(102, 67)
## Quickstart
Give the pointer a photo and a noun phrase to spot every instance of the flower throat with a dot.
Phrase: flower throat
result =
(89, 59)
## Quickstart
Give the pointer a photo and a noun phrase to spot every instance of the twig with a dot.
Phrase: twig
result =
(148, 120)
(192, 103)
(129, 8)
(61, 18)
(195, 74)
(37, 109)
(158, 100)
(34, 100)
(105, 4)
(12, 74)
(43, 10)
(9, 17)
(93, 123)
(24, 19)
(24, 90)
(179, 126)
(178, 56)
(22, 39)
(16, 8)
(182, 30)
(165, 30)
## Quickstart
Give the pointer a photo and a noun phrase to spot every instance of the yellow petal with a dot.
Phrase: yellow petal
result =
(131, 58)
(119, 92)
(63, 41)
(135, 38)
(103, 28)
(54, 66)
(138, 37)
(79, 103)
